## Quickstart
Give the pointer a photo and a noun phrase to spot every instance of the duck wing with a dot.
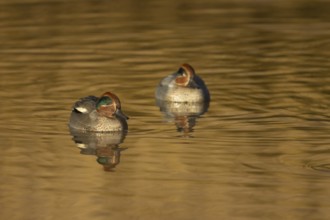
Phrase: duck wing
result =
(85, 105)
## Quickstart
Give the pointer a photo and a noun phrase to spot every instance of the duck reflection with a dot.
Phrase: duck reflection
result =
(183, 114)
(105, 146)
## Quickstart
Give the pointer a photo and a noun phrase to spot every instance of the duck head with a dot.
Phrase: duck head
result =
(109, 106)
(185, 76)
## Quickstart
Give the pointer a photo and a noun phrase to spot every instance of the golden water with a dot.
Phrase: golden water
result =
(261, 151)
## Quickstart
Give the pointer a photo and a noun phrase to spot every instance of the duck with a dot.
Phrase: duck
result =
(183, 86)
(98, 114)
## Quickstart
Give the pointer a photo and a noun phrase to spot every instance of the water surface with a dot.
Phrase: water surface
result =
(261, 151)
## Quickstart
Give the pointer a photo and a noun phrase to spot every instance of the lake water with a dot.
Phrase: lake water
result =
(261, 151)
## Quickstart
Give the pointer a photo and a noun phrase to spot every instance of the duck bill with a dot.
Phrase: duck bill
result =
(121, 114)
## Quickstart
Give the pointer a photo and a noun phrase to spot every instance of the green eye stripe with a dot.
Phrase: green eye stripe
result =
(182, 72)
(102, 160)
(104, 101)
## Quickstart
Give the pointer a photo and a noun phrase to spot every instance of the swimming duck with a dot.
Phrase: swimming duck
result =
(183, 86)
(98, 114)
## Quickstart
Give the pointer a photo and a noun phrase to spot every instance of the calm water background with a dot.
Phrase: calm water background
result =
(261, 151)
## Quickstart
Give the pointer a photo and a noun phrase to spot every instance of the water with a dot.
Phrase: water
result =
(261, 151)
